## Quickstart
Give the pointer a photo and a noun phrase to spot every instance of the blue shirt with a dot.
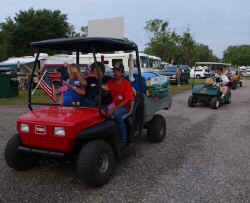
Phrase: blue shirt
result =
(70, 95)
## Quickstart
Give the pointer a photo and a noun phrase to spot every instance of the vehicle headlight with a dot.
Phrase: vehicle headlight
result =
(59, 131)
(173, 76)
(25, 127)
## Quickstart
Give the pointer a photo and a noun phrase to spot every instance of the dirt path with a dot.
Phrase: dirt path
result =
(204, 158)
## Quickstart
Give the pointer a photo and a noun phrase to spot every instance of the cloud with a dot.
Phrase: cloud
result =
(215, 23)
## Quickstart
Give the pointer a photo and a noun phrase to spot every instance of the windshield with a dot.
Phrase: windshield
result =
(84, 68)
(108, 69)
(171, 68)
(52, 68)
(75, 85)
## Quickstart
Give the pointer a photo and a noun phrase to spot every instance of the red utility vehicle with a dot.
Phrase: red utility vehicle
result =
(82, 133)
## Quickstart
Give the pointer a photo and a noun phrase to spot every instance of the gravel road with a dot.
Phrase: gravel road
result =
(204, 158)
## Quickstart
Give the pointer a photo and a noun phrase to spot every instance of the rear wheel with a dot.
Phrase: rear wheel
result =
(198, 76)
(157, 129)
(214, 103)
(96, 163)
(191, 102)
(234, 85)
(241, 84)
(18, 160)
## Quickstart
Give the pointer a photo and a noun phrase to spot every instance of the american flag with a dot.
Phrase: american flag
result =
(47, 86)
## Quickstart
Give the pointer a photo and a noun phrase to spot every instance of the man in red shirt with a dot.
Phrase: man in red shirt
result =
(122, 94)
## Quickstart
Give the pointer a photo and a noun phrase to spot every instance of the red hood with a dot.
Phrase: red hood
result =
(62, 116)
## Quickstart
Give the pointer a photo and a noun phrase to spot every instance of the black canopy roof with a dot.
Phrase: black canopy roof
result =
(86, 45)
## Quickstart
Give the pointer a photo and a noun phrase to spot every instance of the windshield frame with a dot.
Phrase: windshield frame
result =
(94, 51)
(171, 68)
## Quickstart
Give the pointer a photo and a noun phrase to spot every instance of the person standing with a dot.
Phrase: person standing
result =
(64, 73)
(178, 75)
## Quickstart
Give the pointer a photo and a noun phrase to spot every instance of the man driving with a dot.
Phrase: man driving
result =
(224, 81)
(122, 94)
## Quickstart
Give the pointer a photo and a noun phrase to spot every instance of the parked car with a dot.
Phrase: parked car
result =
(170, 72)
(246, 73)
(108, 70)
(84, 68)
(199, 72)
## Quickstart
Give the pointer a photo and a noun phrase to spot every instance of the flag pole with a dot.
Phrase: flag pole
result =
(38, 83)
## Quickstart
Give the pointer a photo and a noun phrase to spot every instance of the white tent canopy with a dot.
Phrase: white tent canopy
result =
(212, 63)
(23, 63)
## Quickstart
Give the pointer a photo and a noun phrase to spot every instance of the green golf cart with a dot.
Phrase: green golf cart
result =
(209, 92)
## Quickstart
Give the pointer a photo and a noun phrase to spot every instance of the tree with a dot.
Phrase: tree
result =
(160, 42)
(188, 48)
(168, 44)
(237, 55)
(31, 25)
(2, 46)
(203, 53)
(82, 33)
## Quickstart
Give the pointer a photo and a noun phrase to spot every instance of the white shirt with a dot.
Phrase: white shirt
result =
(224, 78)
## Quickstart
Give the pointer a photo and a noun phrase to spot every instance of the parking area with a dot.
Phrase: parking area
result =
(205, 157)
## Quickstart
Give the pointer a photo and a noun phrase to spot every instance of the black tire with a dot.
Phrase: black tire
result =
(157, 129)
(234, 85)
(214, 103)
(18, 160)
(229, 100)
(197, 76)
(241, 84)
(191, 102)
(96, 163)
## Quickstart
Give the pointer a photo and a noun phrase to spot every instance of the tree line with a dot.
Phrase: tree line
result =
(171, 46)
(237, 55)
(18, 32)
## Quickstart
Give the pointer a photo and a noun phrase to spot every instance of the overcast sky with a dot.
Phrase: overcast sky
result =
(217, 23)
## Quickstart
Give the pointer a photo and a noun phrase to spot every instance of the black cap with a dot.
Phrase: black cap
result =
(120, 67)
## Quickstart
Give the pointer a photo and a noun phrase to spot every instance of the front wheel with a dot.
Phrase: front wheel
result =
(157, 129)
(96, 163)
(18, 160)
(228, 100)
(214, 103)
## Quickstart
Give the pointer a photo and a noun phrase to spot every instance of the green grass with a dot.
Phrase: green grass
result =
(174, 89)
(40, 97)
(22, 98)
